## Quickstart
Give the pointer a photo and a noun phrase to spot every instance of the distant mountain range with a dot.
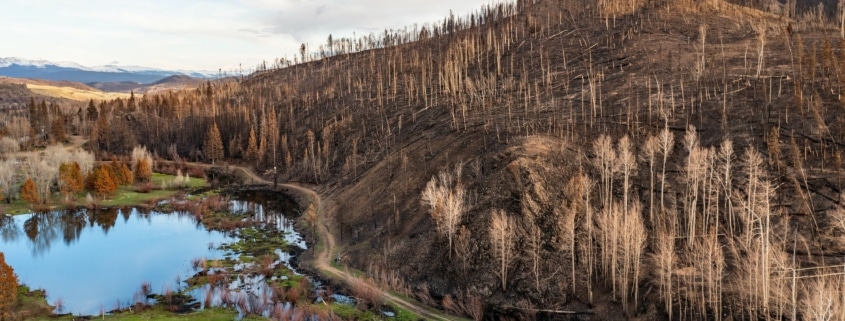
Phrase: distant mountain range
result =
(70, 71)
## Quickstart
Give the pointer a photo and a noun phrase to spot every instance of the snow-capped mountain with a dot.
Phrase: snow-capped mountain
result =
(71, 71)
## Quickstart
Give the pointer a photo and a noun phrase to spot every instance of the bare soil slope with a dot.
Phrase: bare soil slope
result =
(534, 101)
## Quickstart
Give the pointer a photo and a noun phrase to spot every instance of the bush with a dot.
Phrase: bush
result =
(195, 172)
(145, 187)
(366, 293)
(9, 145)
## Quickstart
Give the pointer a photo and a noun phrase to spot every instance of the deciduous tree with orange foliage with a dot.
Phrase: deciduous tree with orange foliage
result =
(105, 182)
(71, 180)
(29, 192)
(124, 175)
(213, 145)
(8, 284)
(142, 164)
(143, 172)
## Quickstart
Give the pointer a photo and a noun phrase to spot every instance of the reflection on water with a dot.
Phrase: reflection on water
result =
(9, 231)
(98, 260)
(43, 229)
(93, 260)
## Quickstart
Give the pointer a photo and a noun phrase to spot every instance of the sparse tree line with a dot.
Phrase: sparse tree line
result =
(37, 126)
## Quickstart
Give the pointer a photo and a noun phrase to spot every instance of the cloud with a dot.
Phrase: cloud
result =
(199, 34)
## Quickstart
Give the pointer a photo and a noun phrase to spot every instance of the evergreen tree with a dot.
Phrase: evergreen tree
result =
(92, 113)
(213, 145)
(8, 285)
(125, 176)
(70, 178)
(121, 176)
(42, 121)
(33, 115)
(105, 182)
(29, 192)
(251, 147)
(272, 136)
(57, 130)
(130, 104)
(143, 171)
(89, 181)
(262, 139)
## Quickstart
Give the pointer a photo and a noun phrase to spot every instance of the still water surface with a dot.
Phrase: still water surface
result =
(94, 260)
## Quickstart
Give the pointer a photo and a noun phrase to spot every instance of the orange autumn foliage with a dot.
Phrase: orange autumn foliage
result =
(71, 180)
(143, 171)
(29, 192)
(105, 182)
(8, 284)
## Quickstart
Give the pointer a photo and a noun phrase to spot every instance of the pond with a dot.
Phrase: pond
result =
(94, 261)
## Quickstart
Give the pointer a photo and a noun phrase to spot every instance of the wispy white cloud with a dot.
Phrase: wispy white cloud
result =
(198, 34)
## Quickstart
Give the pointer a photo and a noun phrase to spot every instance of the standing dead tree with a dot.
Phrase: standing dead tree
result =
(666, 143)
(444, 195)
(501, 236)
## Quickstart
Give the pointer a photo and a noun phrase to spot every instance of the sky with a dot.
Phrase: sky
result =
(198, 34)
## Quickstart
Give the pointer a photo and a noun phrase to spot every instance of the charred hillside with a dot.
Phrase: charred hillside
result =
(641, 159)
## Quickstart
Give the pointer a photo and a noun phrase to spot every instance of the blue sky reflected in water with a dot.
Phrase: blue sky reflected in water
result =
(90, 261)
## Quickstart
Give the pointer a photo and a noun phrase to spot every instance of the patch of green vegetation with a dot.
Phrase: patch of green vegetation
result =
(16, 207)
(159, 178)
(31, 303)
(350, 312)
(223, 221)
(345, 311)
(125, 196)
(404, 315)
(285, 278)
(256, 243)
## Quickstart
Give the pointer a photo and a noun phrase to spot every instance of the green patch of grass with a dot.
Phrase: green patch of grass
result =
(125, 196)
(350, 312)
(32, 303)
(255, 243)
(404, 315)
(16, 207)
(159, 178)
(345, 311)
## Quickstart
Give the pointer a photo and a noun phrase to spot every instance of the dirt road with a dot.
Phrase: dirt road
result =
(322, 259)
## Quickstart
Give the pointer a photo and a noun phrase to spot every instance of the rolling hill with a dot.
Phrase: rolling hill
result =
(61, 89)
(175, 83)
(69, 71)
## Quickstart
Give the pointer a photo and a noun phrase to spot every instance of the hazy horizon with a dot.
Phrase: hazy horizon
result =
(201, 35)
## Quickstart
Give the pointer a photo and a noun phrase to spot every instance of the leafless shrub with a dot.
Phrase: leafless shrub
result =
(8, 173)
(423, 294)
(464, 304)
(144, 187)
(9, 145)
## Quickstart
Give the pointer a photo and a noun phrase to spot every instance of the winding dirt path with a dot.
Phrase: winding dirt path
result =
(322, 259)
